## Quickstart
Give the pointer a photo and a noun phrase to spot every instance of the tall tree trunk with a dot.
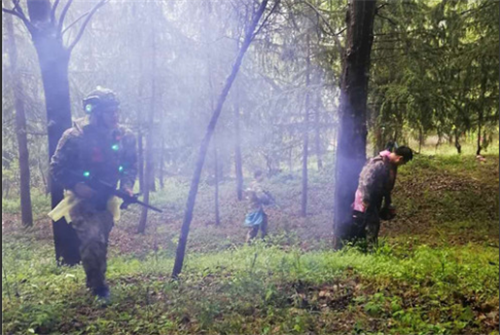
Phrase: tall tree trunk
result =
(149, 176)
(318, 130)
(42, 175)
(237, 146)
(480, 122)
(420, 139)
(237, 153)
(485, 141)
(140, 160)
(457, 143)
(210, 68)
(147, 182)
(440, 137)
(318, 141)
(303, 210)
(139, 118)
(53, 58)
(161, 163)
(216, 173)
(5, 191)
(22, 140)
(481, 111)
(152, 178)
(352, 131)
(188, 215)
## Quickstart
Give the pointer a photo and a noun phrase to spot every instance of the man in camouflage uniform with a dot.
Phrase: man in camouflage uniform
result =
(104, 150)
(256, 218)
(376, 183)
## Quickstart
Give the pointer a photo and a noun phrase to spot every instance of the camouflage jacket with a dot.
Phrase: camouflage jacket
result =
(109, 155)
(256, 196)
(377, 180)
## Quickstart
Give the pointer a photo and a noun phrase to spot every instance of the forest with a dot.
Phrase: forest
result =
(226, 100)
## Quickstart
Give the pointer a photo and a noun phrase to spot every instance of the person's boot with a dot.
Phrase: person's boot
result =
(102, 294)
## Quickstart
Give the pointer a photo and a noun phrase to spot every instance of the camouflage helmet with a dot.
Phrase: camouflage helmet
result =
(100, 99)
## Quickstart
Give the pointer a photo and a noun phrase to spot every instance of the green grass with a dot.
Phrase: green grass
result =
(40, 203)
(249, 289)
(435, 272)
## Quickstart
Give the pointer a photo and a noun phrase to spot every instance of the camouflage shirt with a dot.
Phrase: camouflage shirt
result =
(107, 154)
(376, 181)
(256, 196)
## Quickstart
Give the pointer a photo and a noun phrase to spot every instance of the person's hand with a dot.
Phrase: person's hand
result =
(366, 204)
(83, 191)
(128, 191)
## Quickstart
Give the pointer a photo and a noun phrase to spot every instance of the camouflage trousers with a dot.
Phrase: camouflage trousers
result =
(93, 227)
(252, 232)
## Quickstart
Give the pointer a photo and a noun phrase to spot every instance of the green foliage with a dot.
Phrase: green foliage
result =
(248, 281)
(434, 69)
(420, 283)
(40, 204)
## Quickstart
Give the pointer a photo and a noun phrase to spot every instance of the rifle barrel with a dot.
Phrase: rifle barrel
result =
(148, 206)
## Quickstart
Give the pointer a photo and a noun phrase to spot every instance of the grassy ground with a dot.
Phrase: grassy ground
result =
(436, 271)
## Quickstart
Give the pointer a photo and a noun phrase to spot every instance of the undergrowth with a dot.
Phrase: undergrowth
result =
(436, 270)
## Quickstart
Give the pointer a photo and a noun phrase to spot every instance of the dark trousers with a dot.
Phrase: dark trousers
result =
(362, 227)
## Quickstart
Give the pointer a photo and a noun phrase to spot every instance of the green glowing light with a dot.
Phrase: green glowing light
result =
(88, 108)
(86, 174)
(120, 168)
(115, 147)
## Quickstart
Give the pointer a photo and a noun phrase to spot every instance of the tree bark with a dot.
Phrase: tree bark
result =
(22, 140)
(53, 58)
(440, 137)
(140, 161)
(238, 163)
(42, 175)
(318, 131)
(237, 153)
(352, 131)
(481, 112)
(480, 121)
(139, 116)
(188, 215)
(303, 210)
(216, 173)
(152, 178)
(457, 143)
(161, 163)
(210, 68)
(420, 140)
(318, 141)
(149, 173)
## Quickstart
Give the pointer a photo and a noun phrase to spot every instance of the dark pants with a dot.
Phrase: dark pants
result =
(367, 226)
(363, 226)
(93, 227)
(252, 232)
